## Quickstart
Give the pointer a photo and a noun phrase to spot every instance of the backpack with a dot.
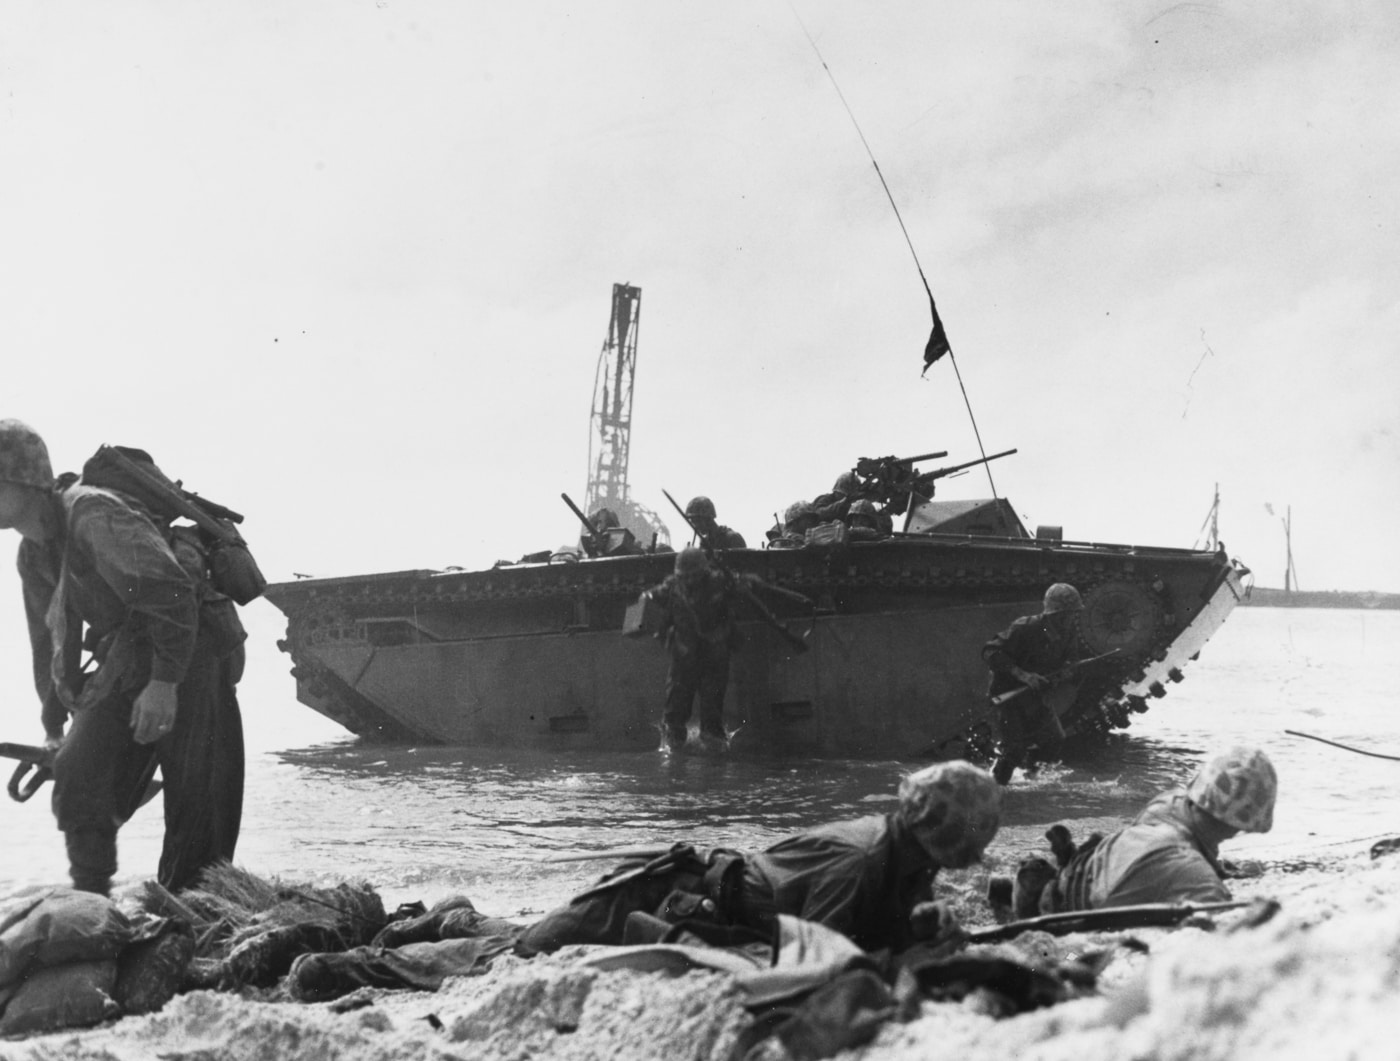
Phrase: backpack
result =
(133, 472)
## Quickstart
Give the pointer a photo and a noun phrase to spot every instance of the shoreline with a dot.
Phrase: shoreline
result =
(1316, 980)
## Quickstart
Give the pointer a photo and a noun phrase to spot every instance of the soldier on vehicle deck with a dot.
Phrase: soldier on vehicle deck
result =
(712, 534)
(798, 518)
(837, 503)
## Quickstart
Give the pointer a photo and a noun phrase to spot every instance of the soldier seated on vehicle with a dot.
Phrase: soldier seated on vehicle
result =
(1169, 854)
(835, 504)
(869, 878)
(798, 519)
(610, 537)
(867, 522)
(700, 511)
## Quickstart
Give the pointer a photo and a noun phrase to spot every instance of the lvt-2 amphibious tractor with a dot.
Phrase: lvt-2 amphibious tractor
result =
(531, 654)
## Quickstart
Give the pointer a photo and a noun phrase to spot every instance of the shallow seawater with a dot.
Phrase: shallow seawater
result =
(498, 826)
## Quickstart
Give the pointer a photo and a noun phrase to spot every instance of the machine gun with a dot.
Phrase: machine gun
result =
(892, 481)
(742, 587)
(600, 540)
(31, 758)
(887, 481)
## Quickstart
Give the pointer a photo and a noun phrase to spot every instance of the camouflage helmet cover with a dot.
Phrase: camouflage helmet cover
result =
(691, 559)
(863, 508)
(1062, 597)
(847, 483)
(953, 809)
(700, 508)
(798, 510)
(1239, 788)
(24, 458)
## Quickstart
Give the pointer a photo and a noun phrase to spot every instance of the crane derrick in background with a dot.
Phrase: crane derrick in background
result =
(611, 422)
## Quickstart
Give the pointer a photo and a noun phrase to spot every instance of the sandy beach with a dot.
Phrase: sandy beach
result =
(1318, 980)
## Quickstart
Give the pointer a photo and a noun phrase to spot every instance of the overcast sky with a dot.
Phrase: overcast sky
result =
(347, 266)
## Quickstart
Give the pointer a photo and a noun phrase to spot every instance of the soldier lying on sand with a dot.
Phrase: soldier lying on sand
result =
(1169, 854)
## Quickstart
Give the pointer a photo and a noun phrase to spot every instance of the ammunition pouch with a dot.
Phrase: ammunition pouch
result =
(831, 535)
(713, 899)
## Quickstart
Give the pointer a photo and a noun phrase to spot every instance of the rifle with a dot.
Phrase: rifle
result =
(1114, 918)
(40, 760)
(31, 757)
(1063, 674)
(233, 571)
(209, 515)
(798, 644)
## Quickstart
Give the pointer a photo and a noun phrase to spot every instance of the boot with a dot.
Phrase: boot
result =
(1032, 877)
(92, 858)
(1000, 897)
(1003, 770)
(1061, 845)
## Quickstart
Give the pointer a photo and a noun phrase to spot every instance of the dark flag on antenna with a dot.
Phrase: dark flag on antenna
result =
(937, 344)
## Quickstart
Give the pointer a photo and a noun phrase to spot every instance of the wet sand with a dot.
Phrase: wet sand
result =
(1319, 980)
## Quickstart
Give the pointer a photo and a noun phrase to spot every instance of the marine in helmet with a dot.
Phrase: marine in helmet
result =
(698, 604)
(162, 693)
(1033, 658)
(1170, 853)
(869, 878)
(798, 518)
(836, 503)
(711, 534)
(867, 522)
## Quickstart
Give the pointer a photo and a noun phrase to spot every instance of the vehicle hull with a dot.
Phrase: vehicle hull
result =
(533, 656)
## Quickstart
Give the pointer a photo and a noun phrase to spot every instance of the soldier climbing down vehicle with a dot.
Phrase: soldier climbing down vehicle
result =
(1031, 661)
(697, 602)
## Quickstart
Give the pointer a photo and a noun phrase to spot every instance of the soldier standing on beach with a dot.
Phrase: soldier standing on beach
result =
(98, 573)
(1030, 659)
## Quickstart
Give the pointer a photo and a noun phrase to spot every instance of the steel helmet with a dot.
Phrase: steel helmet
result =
(700, 508)
(863, 513)
(798, 510)
(847, 483)
(1238, 787)
(604, 519)
(691, 559)
(953, 809)
(1062, 597)
(24, 458)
